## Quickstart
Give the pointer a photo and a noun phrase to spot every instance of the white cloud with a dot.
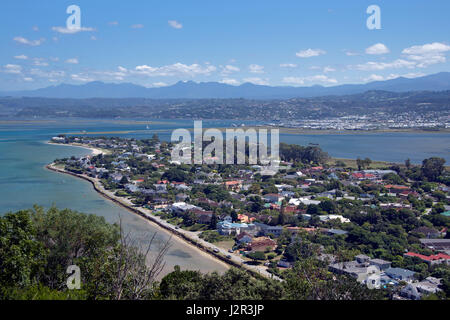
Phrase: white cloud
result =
(397, 64)
(81, 77)
(310, 53)
(113, 75)
(72, 61)
(329, 69)
(40, 62)
(375, 77)
(93, 38)
(317, 78)
(427, 54)
(35, 28)
(351, 53)
(113, 23)
(21, 57)
(413, 75)
(254, 68)
(378, 48)
(294, 80)
(174, 69)
(137, 26)
(33, 43)
(159, 84)
(229, 69)
(229, 81)
(28, 79)
(288, 65)
(258, 81)
(175, 24)
(65, 30)
(48, 75)
(430, 48)
(12, 69)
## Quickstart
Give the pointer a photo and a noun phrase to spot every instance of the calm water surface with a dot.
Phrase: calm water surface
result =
(24, 181)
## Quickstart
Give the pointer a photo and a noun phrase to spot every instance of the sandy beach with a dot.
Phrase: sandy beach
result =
(189, 238)
(94, 151)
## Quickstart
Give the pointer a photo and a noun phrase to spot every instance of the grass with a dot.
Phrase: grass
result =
(227, 244)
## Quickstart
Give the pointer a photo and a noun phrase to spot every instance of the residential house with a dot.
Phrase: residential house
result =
(437, 244)
(229, 228)
(431, 260)
(265, 229)
(273, 197)
(400, 274)
(417, 290)
(244, 237)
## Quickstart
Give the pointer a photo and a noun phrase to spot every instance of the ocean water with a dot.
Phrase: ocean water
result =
(25, 182)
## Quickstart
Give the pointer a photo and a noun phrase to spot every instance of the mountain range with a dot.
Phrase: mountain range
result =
(216, 90)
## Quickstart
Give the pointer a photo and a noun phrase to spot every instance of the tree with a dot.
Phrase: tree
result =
(124, 180)
(432, 168)
(309, 280)
(408, 163)
(213, 223)
(367, 162)
(313, 209)
(71, 238)
(234, 215)
(256, 255)
(328, 206)
(22, 258)
(362, 164)
(37, 246)
(359, 163)
(180, 285)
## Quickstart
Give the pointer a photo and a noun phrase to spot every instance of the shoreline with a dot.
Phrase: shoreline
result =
(94, 151)
(149, 219)
(204, 248)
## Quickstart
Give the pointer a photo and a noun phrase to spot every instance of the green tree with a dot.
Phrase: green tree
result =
(256, 255)
(432, 168)
(408, 163)
(22, 258)
(213, 223)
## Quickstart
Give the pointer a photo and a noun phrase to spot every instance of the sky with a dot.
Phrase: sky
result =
(277, 43)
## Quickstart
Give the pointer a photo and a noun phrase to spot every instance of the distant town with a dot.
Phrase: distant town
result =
(385, 226)
(378, 121)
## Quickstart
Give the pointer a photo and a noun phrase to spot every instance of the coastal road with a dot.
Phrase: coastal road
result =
(192, 236)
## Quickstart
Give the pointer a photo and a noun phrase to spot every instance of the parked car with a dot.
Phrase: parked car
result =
(216, 250)
(230, 251)
(228, 256)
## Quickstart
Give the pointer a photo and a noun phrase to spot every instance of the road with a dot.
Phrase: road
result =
(193, 236)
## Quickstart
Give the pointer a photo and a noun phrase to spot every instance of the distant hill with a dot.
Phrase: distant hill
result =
(215, 90)
(432, 104)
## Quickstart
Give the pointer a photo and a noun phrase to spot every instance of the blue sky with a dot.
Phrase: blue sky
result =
(157, 43)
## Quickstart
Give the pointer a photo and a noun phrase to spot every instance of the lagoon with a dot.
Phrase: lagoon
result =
(25, 182)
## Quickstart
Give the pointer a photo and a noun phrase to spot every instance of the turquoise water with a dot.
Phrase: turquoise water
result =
(24, 181)
(392, 147)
